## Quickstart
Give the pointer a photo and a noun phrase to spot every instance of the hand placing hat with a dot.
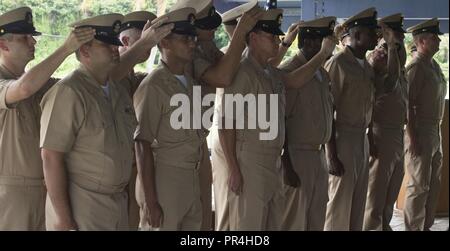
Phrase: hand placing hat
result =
(291, 34)
(249, 20)
(78, 37)
(154, 33)
(388, 35)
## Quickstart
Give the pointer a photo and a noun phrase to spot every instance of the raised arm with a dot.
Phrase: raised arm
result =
(36, 78)
(302, 75)
(222, 73)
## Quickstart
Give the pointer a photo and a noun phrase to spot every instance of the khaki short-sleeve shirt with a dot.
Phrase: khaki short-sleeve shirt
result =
(391, 108)
(427, 89)
(309, 110)
(257, 84)
(132, 81)
(20, 155)
(353, 89)
(179, 147)
(93, 129)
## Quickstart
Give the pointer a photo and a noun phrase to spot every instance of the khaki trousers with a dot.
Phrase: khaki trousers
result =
(94, 207)
(345, 209)
(260, 206)
(385, 178)
(425, 179)
(178, 192)
(205, 172)
(306, 206)
(221, 175)
(22, 204)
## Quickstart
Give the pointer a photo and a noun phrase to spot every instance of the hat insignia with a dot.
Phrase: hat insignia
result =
(116, 26)
(29, 18)
(212, 11)
(280, 19)
(332, 25)
(191, 19)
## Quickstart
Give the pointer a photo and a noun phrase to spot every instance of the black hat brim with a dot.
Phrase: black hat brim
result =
(273, 30)
(109, 40)
(209, 23)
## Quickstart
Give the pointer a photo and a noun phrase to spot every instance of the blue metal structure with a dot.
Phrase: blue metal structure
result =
(414, 10)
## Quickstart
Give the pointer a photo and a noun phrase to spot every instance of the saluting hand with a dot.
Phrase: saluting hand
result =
(249, 20)
(292, 33)
(78, 37)
(328, 45)
(338, 30)
(154, 32)
(388, 34)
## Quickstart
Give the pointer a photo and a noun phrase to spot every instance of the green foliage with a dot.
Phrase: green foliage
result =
(53, 16)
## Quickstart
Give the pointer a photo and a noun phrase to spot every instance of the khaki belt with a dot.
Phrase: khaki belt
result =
(253, 148)
(399, 127)
(307, 147)
(346, 128)
(179, 164)
(95, 186)
(20, 181)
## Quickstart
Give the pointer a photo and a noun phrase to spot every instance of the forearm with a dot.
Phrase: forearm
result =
(146, 170)
(56, 181)
(305, 73)
(222, 73)
(393, 68)
(276, 61)
(129, 59)
(36, 78)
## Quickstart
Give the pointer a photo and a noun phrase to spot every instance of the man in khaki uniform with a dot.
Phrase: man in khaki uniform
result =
(309, 116)
(426, 110)
(87, 133)
(255, 182)
(212, 69)
(130, 32)
(389, 119)
(352, 87)
(169, 158)
(22, 191)
(219, 165)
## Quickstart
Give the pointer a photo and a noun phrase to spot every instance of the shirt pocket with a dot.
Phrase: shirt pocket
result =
(28, 123)
(129, 120)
